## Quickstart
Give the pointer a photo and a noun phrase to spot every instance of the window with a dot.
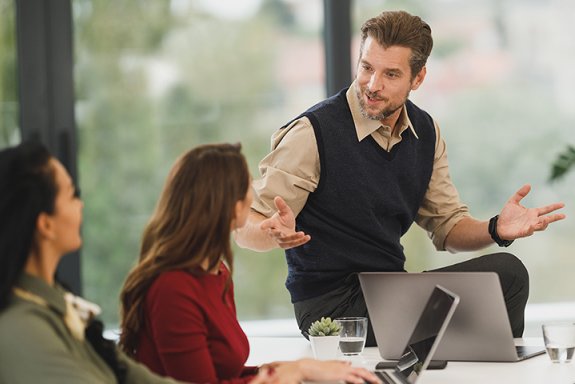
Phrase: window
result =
(9, 133)
(155, 79)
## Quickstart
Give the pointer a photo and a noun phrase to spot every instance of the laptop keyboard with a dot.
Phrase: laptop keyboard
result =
(384, 377)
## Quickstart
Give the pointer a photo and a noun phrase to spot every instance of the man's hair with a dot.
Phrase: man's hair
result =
(399, 28)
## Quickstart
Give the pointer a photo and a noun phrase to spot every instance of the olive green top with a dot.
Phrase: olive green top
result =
(36, 346)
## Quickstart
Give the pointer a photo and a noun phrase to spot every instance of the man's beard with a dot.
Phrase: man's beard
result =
(381, 115)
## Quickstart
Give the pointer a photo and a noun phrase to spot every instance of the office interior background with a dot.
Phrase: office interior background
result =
(118, 89)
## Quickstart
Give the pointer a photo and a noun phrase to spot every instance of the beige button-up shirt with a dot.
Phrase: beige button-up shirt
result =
(292, 170)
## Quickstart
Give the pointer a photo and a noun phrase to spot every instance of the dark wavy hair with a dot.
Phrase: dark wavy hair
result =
(27, 188)
(191, 224)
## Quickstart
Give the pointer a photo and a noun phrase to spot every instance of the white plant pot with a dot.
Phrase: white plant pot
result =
(324, 347)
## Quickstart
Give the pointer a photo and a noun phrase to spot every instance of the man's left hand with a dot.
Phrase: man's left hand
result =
(516, 221)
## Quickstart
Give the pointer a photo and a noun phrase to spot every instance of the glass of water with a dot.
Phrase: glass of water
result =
(559, 340)
(352, 335)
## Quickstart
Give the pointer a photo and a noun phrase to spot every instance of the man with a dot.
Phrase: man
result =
(347, 178)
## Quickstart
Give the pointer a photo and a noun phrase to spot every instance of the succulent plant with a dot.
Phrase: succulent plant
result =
(324, 327)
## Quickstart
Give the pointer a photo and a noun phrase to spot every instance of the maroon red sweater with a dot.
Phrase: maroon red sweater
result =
(190, 333)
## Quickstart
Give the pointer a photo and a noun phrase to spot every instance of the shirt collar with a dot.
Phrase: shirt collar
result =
(54, 296)
(75, 311)
(364, 126)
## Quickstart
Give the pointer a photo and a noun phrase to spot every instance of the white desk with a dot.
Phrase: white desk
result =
(537, 370)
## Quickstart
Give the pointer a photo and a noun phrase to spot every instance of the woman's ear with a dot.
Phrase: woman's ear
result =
(237, 211)
(45, 226)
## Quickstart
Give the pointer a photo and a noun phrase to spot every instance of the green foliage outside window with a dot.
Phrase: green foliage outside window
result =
(9, 133)
(563, 163)
(150, 84)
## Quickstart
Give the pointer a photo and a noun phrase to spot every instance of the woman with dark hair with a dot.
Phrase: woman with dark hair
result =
(47, 335)
(178, 310)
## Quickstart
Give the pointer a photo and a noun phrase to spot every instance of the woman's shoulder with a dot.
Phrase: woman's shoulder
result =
(21, 313)
(36, 347)
(176, 289)
(171, 281)
(186, 283)
(28, 325)
(176, 274)
(182, 276)
(176, 282)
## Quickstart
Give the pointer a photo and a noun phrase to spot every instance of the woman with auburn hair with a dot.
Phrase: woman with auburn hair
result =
(48, 335)
(178, 309)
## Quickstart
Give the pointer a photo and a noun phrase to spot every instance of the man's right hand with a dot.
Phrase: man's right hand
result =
(281, 227)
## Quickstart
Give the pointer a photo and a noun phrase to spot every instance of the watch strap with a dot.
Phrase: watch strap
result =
(494, 235)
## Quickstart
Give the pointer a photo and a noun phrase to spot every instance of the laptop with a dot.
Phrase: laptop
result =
(480, 329)
(426, 336)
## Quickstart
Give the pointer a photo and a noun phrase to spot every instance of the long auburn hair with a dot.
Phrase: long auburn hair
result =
(191, 224)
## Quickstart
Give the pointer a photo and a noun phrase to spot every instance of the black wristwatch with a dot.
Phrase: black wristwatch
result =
(494, 235)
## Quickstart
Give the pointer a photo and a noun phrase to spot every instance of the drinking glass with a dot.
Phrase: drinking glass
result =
(352, 335)
(559, 340)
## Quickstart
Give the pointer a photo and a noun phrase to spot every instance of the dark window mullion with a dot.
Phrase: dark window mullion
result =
(46, 90)
(337, 40)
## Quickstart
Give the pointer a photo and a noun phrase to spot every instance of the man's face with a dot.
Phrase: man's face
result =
(384, 80)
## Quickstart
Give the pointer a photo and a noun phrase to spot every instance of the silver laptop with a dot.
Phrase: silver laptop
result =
(480, 329)
(427, 334)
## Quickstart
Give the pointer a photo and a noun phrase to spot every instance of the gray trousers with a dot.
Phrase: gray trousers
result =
(347, 300)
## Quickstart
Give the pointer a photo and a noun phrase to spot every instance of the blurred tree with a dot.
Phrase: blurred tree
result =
(564, 162)
(117, 136)
(9, 133)
(149, 87)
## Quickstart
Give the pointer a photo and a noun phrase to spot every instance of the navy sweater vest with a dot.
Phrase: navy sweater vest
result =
(367, 198)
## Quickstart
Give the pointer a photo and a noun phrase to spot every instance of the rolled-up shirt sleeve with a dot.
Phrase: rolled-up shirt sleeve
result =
(291, 170)
(441, 208)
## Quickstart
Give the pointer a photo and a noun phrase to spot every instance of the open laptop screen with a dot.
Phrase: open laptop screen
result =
(480, 328)
(426, 334)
